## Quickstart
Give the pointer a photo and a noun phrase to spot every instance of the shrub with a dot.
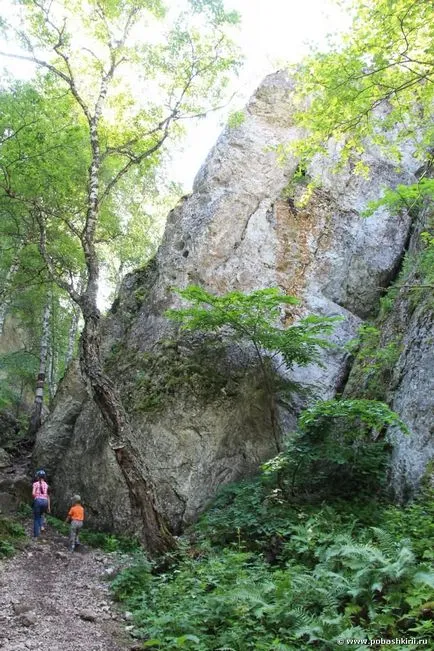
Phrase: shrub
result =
(337, 451)
(11, 536)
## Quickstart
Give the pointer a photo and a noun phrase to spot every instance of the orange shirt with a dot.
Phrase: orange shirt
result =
(76, 512)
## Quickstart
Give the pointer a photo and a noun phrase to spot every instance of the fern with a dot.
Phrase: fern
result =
(385, 540)
(339, 575)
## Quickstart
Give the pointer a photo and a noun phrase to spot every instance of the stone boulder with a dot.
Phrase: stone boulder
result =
(200, 417)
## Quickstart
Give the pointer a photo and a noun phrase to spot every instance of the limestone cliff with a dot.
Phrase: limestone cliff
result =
(396, 362)
(198, 414)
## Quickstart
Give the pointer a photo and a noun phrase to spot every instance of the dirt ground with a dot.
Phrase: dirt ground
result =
(54, 600)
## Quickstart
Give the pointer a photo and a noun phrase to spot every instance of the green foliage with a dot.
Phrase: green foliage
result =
(18, 368)
(132, 580)
(387, 57)
(82, 150)
(109, 542)
(59, 525)
(22, 337)
(417, 273)
(369, 414)
(11, 536)
(251, 511)
(337, 451)
(216, 11)
(236, 119)
(41, 153)
(299, 180)
(336, 578)
(266, 570)
(410, 197)
(416, 520)
(375, 360)
(105, 541)
(426, 262)
(254, 318)
(6, 548)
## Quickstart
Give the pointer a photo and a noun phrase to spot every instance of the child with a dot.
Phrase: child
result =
(41, 502)
(76, 518)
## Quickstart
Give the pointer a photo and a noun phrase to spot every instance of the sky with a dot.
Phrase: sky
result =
(271, 33)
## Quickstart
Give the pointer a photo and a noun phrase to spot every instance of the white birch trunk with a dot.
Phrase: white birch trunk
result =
(72, 336)
(52, 370)
(5, 297)
(35, 418)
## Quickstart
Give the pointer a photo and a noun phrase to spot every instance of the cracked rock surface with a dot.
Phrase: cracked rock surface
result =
(242, 229)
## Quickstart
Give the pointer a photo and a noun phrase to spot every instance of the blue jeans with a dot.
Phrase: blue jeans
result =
(40, 506)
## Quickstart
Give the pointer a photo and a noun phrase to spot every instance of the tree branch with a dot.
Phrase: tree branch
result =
(134, 160)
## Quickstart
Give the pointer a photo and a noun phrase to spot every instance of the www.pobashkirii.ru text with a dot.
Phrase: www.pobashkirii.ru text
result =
(380, 641)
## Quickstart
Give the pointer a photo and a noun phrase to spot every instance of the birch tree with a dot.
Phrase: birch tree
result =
(5, 290)
(182, 76)
(44, 355)
(72, 335)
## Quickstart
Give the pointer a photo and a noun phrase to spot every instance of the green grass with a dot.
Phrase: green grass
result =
(105, 541)
(12, 536)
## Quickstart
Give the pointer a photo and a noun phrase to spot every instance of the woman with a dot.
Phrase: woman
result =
(41, 502)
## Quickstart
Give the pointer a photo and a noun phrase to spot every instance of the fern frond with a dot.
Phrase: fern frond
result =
(385, 540)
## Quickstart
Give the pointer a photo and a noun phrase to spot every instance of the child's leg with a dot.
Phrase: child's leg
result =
(77, 533)
(44, 510)
(37, 517)
(72, 536)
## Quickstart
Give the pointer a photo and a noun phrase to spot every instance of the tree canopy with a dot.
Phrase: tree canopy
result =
(112, 89)
(375, 83)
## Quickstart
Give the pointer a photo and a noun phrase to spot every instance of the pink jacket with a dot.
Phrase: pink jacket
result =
(40, 489)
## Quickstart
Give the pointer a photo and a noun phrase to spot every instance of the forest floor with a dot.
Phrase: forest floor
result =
(55, 600)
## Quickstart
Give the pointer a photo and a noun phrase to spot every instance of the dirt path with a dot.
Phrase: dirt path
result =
(52, 600)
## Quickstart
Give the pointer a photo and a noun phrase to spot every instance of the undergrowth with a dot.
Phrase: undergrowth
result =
(105, 541)
(322, 573)
(288, 565)
(12, 536)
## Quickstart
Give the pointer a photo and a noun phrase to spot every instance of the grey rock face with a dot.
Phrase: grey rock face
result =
(405, 377)
(57, 431)
(8, 428)
(413, 399)
(237, 231)
(5, 459)
(412, 384)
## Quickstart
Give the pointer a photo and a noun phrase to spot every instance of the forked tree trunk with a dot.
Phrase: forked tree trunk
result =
(36, 415)
(154, 533)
